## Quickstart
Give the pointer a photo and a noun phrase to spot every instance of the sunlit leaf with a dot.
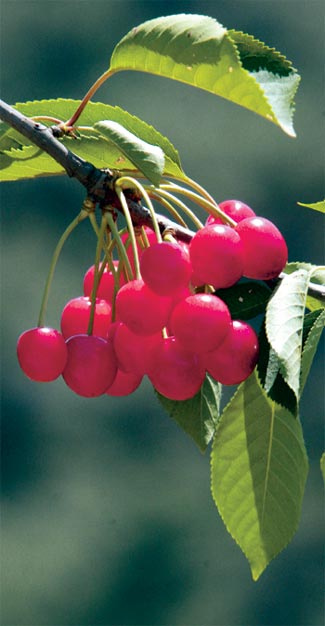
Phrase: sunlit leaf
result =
(258, 472)
(317, 206)
(284, 325)
(197, 50)
(314, 325)
(197, 416)
(17, 161)
(317, 277)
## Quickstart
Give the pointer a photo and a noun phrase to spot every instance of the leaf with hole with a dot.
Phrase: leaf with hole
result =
(198, 51)
(258, 472)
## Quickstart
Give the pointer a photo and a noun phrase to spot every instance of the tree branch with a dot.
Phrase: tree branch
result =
(98, 183)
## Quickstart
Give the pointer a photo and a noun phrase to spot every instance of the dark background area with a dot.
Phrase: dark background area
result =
(107, 516)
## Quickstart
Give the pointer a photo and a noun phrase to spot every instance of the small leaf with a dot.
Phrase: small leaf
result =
(258, 473)
(317, 206)
(284, 324)
(197, 50)
(313, 328)
(245, 300)
(95, 149)
(147, 158)
(322, 466)
(197, 416)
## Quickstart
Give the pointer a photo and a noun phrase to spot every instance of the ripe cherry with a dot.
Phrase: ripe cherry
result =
(200, 322)
(134, 351)
(216, 254)
(42, 353)
(105, 289)
(124, 384)
(235, 209)
(91, 366)
(166, 268)
(176, 372)
(234, 360)
(142, 310)
(76, 313)
(265, 250)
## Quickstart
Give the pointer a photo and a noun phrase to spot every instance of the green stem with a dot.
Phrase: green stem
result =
(80, 217)
(97, 276)
(89, 94)
(184, 207)
(211, 207)
(130, 227)
(120, 246)
(174, 213)
(129, 180)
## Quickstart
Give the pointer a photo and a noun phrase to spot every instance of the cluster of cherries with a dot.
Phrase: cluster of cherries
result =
(166, 326)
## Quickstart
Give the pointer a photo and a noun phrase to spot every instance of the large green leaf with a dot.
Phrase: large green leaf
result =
(246, 300)
(197, 416)
(313, 328)
(19, 159)
(284, 325)
(145, 157)
(317, 277)
(258, 473)
(197, 50)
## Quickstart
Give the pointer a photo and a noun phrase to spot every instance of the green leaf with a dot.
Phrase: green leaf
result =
(245, 300)
(89, 145)
(317, 206)
(258, 473)
(313, 328)
(284, 324)
(322, 466)
(197, 416)
(147, 158)
(317, 277)
(197, 50)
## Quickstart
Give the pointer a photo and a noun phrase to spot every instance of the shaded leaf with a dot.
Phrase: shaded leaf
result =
(197, 416)
(258, 473)
(88, 145)
(245, 300)
(197, 50)
(284, 324)
(317, 206)
(147, 158)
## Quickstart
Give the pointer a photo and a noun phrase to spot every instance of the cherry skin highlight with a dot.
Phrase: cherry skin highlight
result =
(42, 354)
(216, 254)
(142, 310)
(166, 268)
(234, 360)
(200, 322)
(76, 313)
(91, 366)
(235, 209)
(176, 372)
(265, 249)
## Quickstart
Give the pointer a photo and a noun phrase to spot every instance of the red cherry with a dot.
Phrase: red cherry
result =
(235, 209)
(76, 313)
(166, 268)
(176, 372)
(265, 250)
(134, 351)
(216, 254)
(105, 289)
(142, 310)
(124, 384)
(91, 366)
(234, 360)
(200, 322)
(42, 354)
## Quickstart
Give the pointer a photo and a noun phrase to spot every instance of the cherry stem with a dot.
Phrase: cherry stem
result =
(165, 194)
(80, 217)
(130, 228)
(129, 180)
(120, 246)
(206, 204)
(99, 247)
(174, 213)
(88, 96)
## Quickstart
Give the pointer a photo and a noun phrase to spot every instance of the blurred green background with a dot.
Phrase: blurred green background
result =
(107, 516)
